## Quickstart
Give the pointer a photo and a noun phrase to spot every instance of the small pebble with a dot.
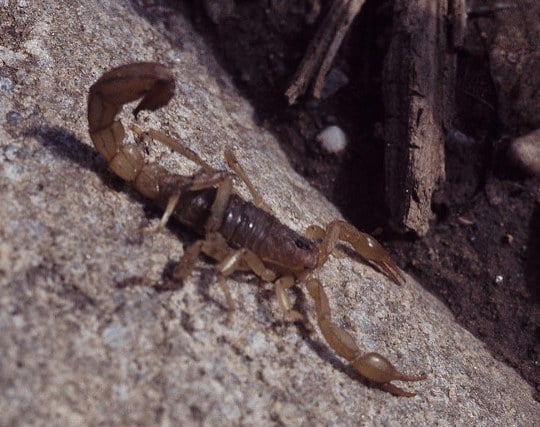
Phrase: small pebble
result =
(524, 152)
(334, 81)
(464, 221)
(512, 58)
(456, 137)
(333, 139)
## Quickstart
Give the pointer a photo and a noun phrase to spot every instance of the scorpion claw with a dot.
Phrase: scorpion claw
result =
(372, 366)
(392, 271)
(364, 245)
(396, 391)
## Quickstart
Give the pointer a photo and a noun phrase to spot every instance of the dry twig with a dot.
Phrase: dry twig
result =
(323, 48)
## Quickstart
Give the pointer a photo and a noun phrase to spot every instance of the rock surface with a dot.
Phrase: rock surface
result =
(77, 348)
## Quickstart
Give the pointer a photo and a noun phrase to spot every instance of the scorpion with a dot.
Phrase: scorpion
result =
(239, 235)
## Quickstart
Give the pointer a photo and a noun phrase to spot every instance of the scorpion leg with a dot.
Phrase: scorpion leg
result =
(231, 159)
(233, 163)
(214, 246)
(237, 260)
(282, 284)
(174, 145)
(364, 245)
(208, 177)
(169, 210)
(217, 211)
(372, 366)
(175, 185)
(230, 260)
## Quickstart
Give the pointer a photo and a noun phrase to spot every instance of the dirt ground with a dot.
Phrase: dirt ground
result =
(482, 254)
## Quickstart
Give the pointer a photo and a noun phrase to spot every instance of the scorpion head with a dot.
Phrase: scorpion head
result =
(299, 254)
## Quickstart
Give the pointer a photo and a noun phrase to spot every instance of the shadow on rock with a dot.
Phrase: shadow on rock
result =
(63, 143)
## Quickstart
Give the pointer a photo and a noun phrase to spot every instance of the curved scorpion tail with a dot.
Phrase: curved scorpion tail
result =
(150, 81)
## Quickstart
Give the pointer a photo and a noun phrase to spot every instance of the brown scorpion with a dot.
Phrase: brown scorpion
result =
(239, 235)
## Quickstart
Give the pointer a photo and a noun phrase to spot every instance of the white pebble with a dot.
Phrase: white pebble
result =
(525, 152)
(333, 139)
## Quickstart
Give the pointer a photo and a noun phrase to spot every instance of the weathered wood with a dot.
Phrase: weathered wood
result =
(418, 90)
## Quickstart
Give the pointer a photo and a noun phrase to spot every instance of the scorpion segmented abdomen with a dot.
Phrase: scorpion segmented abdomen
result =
(246, 226)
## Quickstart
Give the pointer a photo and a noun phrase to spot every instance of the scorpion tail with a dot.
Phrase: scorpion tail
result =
(150, 81)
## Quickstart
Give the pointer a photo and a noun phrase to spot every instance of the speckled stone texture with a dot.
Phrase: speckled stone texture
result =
(79, 349)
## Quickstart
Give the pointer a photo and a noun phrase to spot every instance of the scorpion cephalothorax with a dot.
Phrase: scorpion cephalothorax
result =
(240, 235)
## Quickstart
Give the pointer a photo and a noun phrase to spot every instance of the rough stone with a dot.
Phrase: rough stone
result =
(79, 349)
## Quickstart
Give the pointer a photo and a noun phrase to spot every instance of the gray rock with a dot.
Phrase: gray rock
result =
(79, 350)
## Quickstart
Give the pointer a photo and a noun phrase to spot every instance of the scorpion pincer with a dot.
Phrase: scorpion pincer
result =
(238, 234)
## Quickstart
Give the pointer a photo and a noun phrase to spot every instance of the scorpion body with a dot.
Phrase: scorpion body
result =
(244, 225)
(239, 234)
